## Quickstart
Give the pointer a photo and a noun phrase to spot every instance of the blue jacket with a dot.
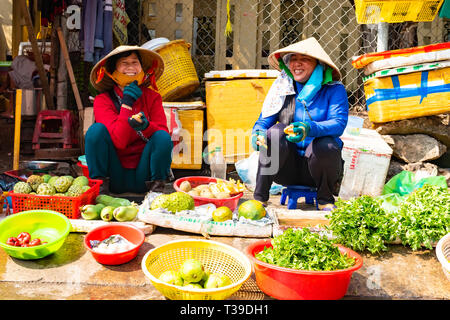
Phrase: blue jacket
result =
(328, 110)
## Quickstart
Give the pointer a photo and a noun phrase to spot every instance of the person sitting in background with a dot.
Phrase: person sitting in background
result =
(309, 102)
(128, 147)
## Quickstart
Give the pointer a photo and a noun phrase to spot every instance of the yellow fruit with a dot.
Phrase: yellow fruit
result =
(252, 209)
(222, 214)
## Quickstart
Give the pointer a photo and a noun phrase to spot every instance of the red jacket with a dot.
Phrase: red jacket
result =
(129, 145)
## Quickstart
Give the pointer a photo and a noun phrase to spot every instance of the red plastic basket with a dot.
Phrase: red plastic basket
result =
(231, 202)
(291, 284)
(84, 169)
(68, 206)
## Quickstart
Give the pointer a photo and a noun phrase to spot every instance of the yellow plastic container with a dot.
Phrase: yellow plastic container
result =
(190, 157)
(395, 11)
(407, 96)
(180, 77)
(234, 101)
(214, 256)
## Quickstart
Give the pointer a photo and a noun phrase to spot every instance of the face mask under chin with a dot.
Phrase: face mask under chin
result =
(123, 80)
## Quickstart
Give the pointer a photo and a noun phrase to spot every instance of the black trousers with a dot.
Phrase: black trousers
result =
(320, 167)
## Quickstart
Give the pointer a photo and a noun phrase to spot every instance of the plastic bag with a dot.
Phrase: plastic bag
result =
(396, 190)
(247, 169)
(406, 182)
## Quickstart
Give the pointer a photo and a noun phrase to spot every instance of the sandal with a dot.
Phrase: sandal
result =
(327, 207)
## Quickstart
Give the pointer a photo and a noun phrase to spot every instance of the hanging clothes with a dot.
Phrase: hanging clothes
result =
(96, 29)
(50, 9)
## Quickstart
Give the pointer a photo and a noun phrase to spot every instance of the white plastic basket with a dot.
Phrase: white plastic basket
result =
(443, 254)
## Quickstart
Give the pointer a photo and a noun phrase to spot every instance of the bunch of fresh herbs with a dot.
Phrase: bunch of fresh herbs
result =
(361, 223)
(304, 250)
(422, 218)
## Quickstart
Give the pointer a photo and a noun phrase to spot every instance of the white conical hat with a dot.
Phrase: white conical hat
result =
(309, 47)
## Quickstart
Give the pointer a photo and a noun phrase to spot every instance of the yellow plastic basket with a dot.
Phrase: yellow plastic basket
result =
(395, 11)
(180, 77)
(215, 256)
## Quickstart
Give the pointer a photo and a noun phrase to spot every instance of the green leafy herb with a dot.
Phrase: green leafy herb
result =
(424, 217)
(361, 223)
(301, 249)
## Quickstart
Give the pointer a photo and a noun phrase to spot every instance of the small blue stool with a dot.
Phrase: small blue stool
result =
(295, 192)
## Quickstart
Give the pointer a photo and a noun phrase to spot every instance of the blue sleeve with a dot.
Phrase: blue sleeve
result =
(337, 115)
(265, 123)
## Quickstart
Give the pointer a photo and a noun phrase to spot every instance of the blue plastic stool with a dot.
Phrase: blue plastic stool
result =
(295, 192)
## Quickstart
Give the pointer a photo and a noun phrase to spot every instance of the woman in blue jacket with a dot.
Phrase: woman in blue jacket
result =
(308, 99)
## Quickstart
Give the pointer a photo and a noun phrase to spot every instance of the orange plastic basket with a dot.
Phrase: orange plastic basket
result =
(396, 11)
(68, 206)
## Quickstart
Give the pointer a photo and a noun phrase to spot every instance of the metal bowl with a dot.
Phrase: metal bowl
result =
(41, 165)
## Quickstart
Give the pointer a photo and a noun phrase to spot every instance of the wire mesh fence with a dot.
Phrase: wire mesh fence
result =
(261, 26)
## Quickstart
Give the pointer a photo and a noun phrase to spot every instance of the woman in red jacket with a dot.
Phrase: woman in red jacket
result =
(128, 146)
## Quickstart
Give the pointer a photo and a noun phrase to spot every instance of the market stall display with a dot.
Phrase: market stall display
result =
(211, 190)
(64, 194)
(214, 256)
(49, 226)
(114, 256)
(311, 266)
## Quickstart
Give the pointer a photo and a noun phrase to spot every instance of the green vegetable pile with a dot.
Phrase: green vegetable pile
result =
(304, 250)
(363, 224)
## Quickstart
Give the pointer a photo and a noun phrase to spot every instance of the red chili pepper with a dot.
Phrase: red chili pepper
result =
(35, 242)
(24, 237)
(25, 245)
(11, 241)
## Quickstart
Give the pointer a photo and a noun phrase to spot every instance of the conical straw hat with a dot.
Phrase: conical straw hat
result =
(149, 58)
(309, 47)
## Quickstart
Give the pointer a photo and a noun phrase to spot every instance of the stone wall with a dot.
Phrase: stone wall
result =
(419, 144)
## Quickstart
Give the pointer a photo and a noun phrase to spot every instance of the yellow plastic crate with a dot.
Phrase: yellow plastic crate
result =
(396, 11)
(407, 96)
(233, 104)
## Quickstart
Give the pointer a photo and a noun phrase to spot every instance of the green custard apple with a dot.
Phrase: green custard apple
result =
(34, 181)
(22, 187)
(45, 189)
(62, 184)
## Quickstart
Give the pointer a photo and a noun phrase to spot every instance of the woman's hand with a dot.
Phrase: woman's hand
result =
(259, 139)
(297, 131)
(131, 93)
(138, 121)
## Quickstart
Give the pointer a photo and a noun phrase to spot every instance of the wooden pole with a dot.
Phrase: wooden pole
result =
(65, 52)
(37, 54)
(18, 120)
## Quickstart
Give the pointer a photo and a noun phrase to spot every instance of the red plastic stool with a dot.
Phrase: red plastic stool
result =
(64, 133)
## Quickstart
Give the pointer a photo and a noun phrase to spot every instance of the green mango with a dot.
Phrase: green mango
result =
(125, 213)
(107, 213)
(91, 211)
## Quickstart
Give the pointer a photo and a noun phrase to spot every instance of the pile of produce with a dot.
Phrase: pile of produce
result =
(302, 249)
(192, 274)
(420, 220)
(23, 239)
(47, 185)
(173, 202)
(108, 208)
(215, 190)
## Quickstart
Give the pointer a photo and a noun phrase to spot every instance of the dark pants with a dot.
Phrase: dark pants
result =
(320, 167)
(102, 160)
